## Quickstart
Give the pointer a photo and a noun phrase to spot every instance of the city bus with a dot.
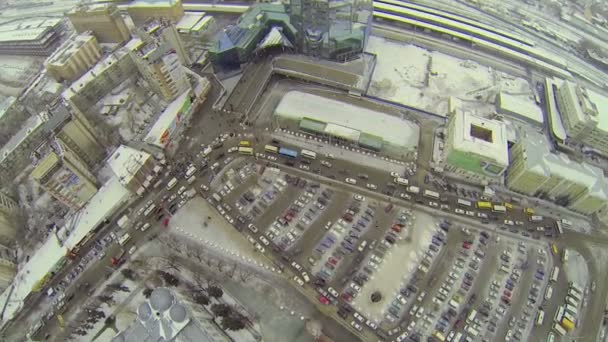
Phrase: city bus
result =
(413, 189)
(309, 154)
(124, 239)
(559, 313)
(464, 203)
(403, 181)
(271, 149)
(285, 152)
(559, 329)
(172, 183)
(554, 274)
(508, 205)
(540, 317)
(560, 228)
(571, 300)
(244, 143)
(149, 209)
(576, 288)
(191, 170)
(246, 150)
(499, 209)
(431, 194)
(571, 309)
(484, 205)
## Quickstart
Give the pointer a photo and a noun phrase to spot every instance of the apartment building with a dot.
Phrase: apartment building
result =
(103, 20)
(72, 59)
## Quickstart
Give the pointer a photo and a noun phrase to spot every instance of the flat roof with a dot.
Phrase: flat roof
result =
(189, 20)
(90, 75)
(152, 3)
(69, 47)
(463, 140)
(202, 23)
(106, 201)
(32, 124)
(391, 129)
(523, 107)
(126, 161)
(601, 103)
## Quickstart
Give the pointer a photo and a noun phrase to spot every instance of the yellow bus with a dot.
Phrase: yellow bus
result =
(244, 143)
(271, 149)
(439, 336)
(484, 205)
(246, 150)
(507, 205)
(529, 211)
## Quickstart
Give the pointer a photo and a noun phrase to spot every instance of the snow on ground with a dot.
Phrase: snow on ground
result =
(413, 76)
(16, 70)
(577, 269)
(397, 267)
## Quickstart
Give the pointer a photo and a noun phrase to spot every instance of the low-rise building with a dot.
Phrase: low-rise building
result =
(476, 148)
(536, 171)
(104, 20)
(520, 108)
(72, 59)
(31, 38)
(141, 11)
(134, 168)
(584, 115)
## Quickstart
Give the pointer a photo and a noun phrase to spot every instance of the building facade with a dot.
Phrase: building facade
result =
(535, 171)
(71, 60)
(476, 148)
(104, 20)
(584, 115)
(31, 39)
(141, 11)
(65, 176)
(134, 168)
(8, 224)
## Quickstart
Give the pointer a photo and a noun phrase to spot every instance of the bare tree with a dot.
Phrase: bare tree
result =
(220, 265)
(245, 275)
(172, 262)
(230, 273)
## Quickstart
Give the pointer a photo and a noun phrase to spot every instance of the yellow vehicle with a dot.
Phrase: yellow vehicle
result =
(567, 324)
(529, 211)
(438, 336)
(246, 150)
(244, 143)
(554, 249)
(484, 205)
(507, 205)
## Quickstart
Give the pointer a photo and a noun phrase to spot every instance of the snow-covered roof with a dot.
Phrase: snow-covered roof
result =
(202, 23)
(31, 125)
(90, 75)
(126, 161)
(106, 201)
(393, 130)
(463, 139)
(521, 106)
(152, 3)
(557, 126)
(601, 103)
(189, 20)
(166, 120)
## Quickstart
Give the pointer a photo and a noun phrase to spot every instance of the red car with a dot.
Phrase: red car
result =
(506, 299)
(323, 300)
(388, 208)
(333, 261)
(507, 293)
(396, 229)
(347, 297)
(466, 245)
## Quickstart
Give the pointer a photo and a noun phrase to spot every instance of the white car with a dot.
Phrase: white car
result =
(509, 222)
(359, 197)
(482, 215)
(204, 187)
(296, 266)
(470, 213)
(259, 248)
(356, 326)
(401, 299)
(229, 219)
(264, 240)
(333, 292)
(358, 317)
(371, 324)
(434, 204)
(304, 167)
(325, 163)
(273, 158)
(305, 277)
(233, 149)
(350, 181)
(298, 280)
(253, 228)
(405, 196)
(355, 287)
(394, 174)
(459, 211)
(371, 186)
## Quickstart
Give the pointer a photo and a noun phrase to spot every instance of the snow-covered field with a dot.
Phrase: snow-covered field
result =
(413, 76)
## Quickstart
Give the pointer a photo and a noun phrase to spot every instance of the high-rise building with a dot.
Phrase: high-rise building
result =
(331, 29)
(157, 56)
(535, 171)
(141, 11)
(476, 148)
(64, 175)
(584, 115)
(103, 20)
(71, 60)
(133, 168)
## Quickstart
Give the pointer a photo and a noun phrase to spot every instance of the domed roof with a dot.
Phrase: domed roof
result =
(161, 299)
(178, 313)
(143, 311)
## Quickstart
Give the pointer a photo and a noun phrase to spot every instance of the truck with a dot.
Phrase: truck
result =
(413, 189)
(123, 222)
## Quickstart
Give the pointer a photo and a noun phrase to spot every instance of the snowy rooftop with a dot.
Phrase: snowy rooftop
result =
(152, 3)
(520, 106)
(165, 120)
(601, 103)
(31, 125)
(126, 161)
(189, 20)
(106, 201)
(5, 104)
(391, 129)
(557, 126)
(481, 136)
(202, 23)
(90, 75)
(67, 49)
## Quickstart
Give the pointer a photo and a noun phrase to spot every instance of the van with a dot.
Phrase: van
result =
(145, 227)
(191, 179)
(171, 184)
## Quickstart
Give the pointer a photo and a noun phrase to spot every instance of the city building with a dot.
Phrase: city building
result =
(584, 115)
(476, 148)
(236, 44)
(72, 130)
(535, 171)
(15, 154)
(64, 175)
(30, 37)
(194, 26)
(163, 318)
(519, 108)
(334, 30)
(347, 124)
(12, 116)
(8, 268)
(104, 20)
(72, 59)
(133, 168)
(105, 76)
(141, 11)
(8, 225)
(159, 62)
(169, 125)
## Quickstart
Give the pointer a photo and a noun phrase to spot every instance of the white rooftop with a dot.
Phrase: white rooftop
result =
(393, 130)
(31, 125)
(463, 140)
(126, 161)
(201, 24)
(68, 48)
(601, 103)
(557, 126)
(106, 201)
(165, 120)
(189, 20)
(523, 107)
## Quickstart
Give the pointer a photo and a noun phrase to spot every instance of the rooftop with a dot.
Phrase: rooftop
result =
(520, 106)
(483, 137)
(68, 48)
(343, 118)
(31, 125)
(189, 20)
(162, 125)
(126, 162)
(153, 3)
(601, 103)
(106, 201)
